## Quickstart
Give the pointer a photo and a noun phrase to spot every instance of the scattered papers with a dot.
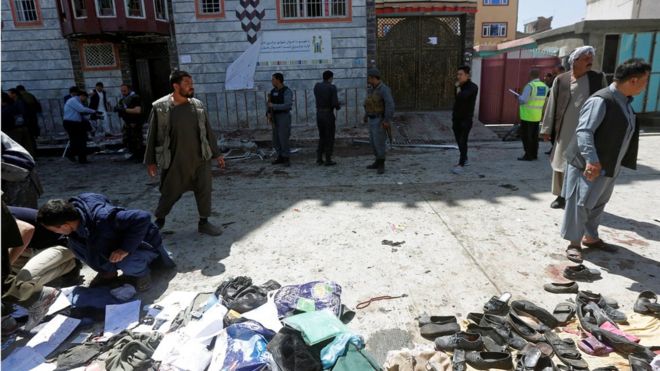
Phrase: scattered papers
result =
(206, 328)
(190, 356)
(52, 334)
(60, 303)
(172, 305)
(23, 359)
(120, 317)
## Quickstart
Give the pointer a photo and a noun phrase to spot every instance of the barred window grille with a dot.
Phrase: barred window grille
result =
(161, 9)
(135, 8)
(105, 8)
(26, 11)
(313, 8)
(79, 8)
(99, 55)
(493, 30)
(210, 6)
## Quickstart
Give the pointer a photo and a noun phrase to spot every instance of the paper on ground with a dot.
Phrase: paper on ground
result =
(191, 356)
(22, 359)
(172, 305)
(53, 334)
(266, 314)
(60, 303)
(207, 327)
(120, 317)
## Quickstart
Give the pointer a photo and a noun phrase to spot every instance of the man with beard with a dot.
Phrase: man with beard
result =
(182, 144)
(569, 91)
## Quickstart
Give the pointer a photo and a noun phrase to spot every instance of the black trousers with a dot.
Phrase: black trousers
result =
(325, 121)
(133, 138)
(461, 128)
(529, 134)
(77, 139)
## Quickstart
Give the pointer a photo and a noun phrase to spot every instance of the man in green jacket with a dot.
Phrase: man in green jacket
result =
(182, 144)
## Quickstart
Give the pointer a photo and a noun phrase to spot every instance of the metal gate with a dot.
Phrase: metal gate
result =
(418, 58)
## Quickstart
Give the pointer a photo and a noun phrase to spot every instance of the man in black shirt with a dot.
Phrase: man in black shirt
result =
(129, 109)
(466, 96)
(326, 104)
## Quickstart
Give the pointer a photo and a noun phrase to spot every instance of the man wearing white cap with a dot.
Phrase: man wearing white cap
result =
(569, 92)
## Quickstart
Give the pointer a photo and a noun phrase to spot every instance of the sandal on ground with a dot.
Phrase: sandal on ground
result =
(574, 254)
(498, 306)
(581, 273)
(566, 351)
(594, 347)
(600, 245)
(647, 303)
(564, 312)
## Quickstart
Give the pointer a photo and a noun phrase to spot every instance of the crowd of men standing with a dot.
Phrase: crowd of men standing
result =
(593, 126)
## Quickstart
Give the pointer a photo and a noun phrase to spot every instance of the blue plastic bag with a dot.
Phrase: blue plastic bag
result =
(308, 297)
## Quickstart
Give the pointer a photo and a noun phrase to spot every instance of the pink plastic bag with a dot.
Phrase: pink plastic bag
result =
(607, 326)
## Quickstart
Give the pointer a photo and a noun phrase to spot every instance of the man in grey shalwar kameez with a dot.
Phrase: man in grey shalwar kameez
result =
(606, 138)
(182, 144)
(569, 92)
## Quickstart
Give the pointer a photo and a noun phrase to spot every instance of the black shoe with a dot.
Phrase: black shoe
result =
(286, 162)
(319, 159)
(381, 166)
(373, 166)
(486, 360)
(160, 223)
(330, 163)
(320, 162)
(279, 160)
(524, 158)
(558, 203)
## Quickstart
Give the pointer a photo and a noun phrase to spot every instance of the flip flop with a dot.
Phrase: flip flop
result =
(600, 245)
(564, 312)
(594, 347)
(647, 303)
(574, 254)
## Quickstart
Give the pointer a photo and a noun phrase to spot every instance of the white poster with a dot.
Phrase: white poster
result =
(240, 74)
(295, 47)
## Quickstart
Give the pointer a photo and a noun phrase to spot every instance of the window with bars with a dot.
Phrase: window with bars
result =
(79, 8)
(134, 8)
(313, 9)
(493, 30)
(105, 8)
(99, 56)
(210, 8)
(160, 7)
(26, 12)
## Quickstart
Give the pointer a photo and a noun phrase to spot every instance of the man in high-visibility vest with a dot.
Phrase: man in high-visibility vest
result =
(531, 111)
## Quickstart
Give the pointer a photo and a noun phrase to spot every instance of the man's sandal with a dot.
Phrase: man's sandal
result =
(574, 254)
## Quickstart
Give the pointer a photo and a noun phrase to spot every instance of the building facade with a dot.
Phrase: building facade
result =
(232, 48)
(495, 21)
(622, 9)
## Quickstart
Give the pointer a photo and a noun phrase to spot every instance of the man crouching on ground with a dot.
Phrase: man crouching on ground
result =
(106, 237)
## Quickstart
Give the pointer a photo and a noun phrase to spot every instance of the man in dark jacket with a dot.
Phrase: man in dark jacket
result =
(461, 116)
(107, 237)
(326, 104)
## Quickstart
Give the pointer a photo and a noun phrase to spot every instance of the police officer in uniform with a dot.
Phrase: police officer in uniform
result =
(379, 111)
(326, 104)
(280, 101)
(531, 103)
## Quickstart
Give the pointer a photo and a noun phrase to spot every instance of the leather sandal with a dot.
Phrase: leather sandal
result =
(647, 303)
(600, 245)
(564, 312)
(574, 254)
(566, 351)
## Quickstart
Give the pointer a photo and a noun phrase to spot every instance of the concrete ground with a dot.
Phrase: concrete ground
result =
(466, 237)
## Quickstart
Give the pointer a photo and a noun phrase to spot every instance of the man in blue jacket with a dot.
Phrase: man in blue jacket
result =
(107, 237)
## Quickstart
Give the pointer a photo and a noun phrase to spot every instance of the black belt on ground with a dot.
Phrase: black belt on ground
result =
(284, 111)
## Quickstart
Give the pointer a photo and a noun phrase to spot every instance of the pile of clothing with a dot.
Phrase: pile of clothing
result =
(521, 335)
(240, 326)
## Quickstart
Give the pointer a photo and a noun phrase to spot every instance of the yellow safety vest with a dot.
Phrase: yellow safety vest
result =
(533, 110)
